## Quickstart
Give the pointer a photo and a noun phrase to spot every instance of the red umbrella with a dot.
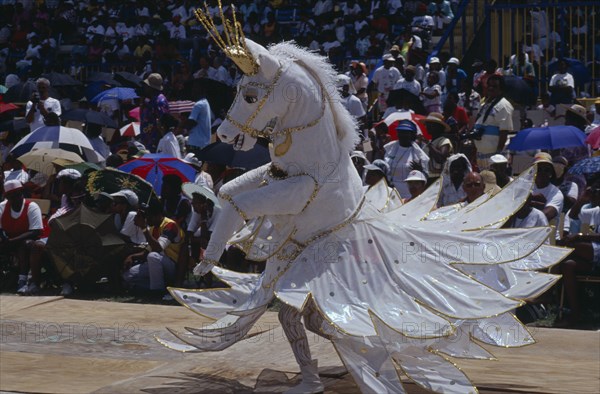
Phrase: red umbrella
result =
(394, 118)
(130, 130)
(154, 166)
(5, 107)
(593, 139)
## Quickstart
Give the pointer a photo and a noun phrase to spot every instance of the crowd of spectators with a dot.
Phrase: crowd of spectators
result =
(420, 118)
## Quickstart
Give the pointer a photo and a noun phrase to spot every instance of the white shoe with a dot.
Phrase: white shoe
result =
(22, 288)
(311, 383)
(67, 290)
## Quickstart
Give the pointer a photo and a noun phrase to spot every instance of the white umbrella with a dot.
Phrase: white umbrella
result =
(58, 137)
(130, 130)
(41, 160)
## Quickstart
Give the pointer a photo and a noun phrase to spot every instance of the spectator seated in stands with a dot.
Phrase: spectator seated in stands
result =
(376, 171)
(205, 213)
(473, 186)
(176, 205)
(545, 196)
(417, 183)
(20, 228)
(527, 217)
(168, 143)
(586, 256)
(441, 12)
(562, 85)
(499, 166)
(154, 269)
(456, 168)
(440, 147)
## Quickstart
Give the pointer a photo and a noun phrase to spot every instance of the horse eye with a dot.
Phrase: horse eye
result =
(250, 99)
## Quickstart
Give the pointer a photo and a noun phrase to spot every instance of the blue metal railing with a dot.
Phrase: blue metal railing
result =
(461, 16)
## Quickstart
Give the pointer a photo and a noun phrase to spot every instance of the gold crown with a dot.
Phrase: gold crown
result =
(234, 44)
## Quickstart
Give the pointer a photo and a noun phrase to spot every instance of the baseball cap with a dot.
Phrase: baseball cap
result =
(12, 186)
(69, 173)
(129, 195)
(498, 159)
(359, 154)
(434, 60)
(453, 60)
(489, 180)
(387, 56)
(406, 125)
(378, 165)
(416, 175)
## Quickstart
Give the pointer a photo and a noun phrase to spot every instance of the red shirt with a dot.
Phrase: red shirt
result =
(18, 226)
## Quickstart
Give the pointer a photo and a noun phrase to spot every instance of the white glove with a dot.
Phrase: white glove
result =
(202, 268)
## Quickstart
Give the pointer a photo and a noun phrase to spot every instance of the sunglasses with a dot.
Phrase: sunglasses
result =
(472, 184)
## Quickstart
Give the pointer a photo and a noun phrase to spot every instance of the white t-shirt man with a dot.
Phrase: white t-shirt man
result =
(500, 116)
(353, 105)
(385, 79)
(51, 105)
(399, 159)
(553, 195)
(169, 145)
(195, 228)
(129, 229)
(563, 80)
(536, 218)
(412, 86)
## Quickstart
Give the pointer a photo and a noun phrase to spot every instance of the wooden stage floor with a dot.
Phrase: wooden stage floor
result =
(56, 345)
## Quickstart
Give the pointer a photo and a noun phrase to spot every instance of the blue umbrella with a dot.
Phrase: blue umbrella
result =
(587, 166)
(115, 93)
(154, 166)
(58, 137)
(552, 137)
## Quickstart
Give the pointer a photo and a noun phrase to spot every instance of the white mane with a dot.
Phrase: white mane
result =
(318, 65)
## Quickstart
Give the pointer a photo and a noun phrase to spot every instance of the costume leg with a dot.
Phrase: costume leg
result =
(294, 331)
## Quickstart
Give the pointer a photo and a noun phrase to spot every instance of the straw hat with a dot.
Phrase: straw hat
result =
(489, 179)
(155, 81)
(437, 118)
(578, 110)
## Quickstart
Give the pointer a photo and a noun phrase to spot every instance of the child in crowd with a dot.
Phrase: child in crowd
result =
(432, 93)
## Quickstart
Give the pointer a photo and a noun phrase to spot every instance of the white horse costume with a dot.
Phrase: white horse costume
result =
(393, 291)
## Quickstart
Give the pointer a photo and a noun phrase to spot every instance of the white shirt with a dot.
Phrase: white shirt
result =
(399, 159)
(553, 195)
(591, 216)
(565, 79)
(51, 105)
(194, 226)
(204, 179)
(353, 105)
(169, 145)
(34, 215)
(412, 86)
(536, 218)
(129, 229)
(385, 79)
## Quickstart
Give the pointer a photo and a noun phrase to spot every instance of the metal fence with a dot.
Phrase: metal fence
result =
(558, 29)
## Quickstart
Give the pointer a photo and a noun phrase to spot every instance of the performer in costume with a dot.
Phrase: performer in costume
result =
(393, 292)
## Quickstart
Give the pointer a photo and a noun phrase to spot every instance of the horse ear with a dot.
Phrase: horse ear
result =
(267, 63)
